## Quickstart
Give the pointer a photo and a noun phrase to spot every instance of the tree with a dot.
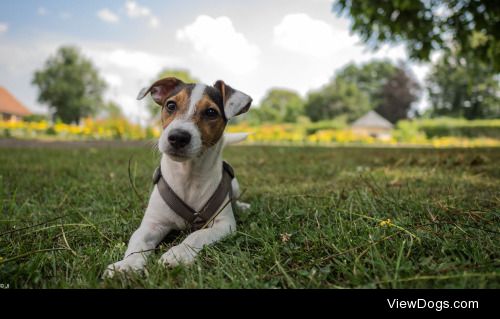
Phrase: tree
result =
(369, 77)
(391, 90)
(279, 105)
(397, 96)
(428, 25)
(70, 85)
(111, 110)
(181, 74)
(335, 99)
(460, 87)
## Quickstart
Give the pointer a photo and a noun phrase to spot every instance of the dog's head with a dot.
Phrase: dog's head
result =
(194, 115)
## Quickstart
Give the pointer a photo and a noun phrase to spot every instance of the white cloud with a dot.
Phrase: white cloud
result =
(3, 27)
(135, 11)
(154, 22)
(211, 48)
(140, 62)
(107, 15)
(217, 40)
(126, 71)
(312, 37)
(41, 11)
(115, 81)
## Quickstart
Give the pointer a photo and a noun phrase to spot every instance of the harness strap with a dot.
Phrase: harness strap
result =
(194, 218)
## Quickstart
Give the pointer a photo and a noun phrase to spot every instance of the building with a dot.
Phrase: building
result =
(10, 107)
(374, 125)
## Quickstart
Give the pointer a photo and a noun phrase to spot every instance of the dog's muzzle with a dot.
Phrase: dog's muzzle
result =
(179, 138)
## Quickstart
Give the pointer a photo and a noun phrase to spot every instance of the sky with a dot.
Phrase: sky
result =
(252, 46)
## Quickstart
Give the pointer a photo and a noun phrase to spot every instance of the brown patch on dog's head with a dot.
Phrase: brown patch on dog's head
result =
(197, 111)
(181, 100)
(234, 102)
(208, 115)
(210, 120)
(161, 89)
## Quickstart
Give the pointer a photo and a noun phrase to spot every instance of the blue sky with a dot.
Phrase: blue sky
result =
(253, 46)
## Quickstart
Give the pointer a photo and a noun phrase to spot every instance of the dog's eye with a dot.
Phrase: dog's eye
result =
(171, 106)
(211, 113)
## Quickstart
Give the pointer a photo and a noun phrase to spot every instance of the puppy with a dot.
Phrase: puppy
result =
(193, 118)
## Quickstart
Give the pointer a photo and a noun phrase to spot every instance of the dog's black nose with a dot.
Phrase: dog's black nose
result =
(179, 138)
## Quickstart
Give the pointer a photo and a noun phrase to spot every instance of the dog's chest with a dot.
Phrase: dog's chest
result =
(197, 192)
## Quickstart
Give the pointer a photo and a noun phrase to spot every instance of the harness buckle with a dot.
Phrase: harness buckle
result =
(197, 219)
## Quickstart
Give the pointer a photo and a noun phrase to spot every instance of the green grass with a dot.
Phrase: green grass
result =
(443, 206)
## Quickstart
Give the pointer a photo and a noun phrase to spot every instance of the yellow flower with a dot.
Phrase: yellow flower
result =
(385, 223)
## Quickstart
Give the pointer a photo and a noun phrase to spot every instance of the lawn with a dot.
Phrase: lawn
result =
(320, 218)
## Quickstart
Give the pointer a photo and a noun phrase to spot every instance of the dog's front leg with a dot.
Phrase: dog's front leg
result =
(155, 225)
(236, 193)
(144, 239)
(185, 252)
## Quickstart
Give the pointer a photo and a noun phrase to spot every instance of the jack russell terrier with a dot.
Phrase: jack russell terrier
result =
(193, 185)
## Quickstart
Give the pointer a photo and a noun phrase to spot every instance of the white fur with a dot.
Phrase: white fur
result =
(194, 180)
(234, 138)
(142, 93)
(235, 103)
(185, 123)
(194, 146)
(195, 97)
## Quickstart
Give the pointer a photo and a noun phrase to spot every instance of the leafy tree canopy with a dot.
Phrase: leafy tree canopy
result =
(461, 87)
(335, 99)
(111, 110)
(70, 85)
(427, 25)
(279, 105)
(369, 77)
(391, 89)
(397, 95)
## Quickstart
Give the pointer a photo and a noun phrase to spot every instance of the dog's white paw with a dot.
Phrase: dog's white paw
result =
(177, 255)
(243, 206)
(125, 265)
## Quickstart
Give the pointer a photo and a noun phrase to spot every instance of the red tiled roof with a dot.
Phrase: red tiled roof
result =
(10, 105)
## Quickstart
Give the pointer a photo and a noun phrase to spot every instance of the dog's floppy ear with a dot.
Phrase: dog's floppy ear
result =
(160, 90)
(234, 101)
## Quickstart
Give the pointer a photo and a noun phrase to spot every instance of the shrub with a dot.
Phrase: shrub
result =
(337, 123)
(456, 127)
(51, 131)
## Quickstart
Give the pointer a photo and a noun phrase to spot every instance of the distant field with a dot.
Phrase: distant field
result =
(320, 217)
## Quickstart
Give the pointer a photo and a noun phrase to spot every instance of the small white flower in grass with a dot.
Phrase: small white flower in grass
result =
(285, 237)
(361, 169)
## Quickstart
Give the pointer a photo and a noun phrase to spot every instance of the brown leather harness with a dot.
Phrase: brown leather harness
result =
(196, 219)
